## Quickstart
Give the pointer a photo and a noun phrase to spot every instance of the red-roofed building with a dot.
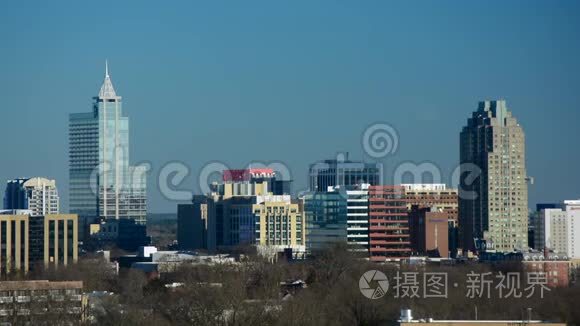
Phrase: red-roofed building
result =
(247, 175)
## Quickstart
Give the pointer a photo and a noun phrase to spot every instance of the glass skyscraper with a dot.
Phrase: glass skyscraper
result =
(342, 172)
(102, 183)
(326, 218)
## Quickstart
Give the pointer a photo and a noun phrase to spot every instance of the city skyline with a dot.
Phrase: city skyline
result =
(290, 163)
(194, 99)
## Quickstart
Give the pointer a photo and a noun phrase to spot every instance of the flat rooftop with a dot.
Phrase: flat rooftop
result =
(39, 285)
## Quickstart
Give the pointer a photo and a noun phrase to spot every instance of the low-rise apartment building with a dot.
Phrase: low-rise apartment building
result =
(41, 302)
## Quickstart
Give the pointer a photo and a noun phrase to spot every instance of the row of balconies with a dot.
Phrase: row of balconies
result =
(382, 249)
(385, 242)
(39, 298)
(390, 235)
(39, 311)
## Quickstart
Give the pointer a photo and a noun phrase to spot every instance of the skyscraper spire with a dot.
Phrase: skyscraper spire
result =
(107, 90)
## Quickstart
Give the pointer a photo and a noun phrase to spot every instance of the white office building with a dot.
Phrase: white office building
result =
(430, 187)
(38, 195)
(573, 218)
(558, 229)
(358, 217)
(551, 231)
(42, 196)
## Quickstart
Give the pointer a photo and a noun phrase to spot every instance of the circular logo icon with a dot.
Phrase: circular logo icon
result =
(380, 140)
(373, 284)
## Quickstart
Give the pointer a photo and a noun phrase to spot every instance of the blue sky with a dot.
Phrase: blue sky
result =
(290, 81)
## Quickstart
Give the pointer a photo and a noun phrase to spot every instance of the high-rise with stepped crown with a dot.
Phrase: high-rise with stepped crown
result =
(102, 183)
(493, 196)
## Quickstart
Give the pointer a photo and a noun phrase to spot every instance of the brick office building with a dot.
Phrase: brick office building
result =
(388, 224)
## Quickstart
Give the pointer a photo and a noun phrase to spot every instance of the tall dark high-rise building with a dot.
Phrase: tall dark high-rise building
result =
(192, 222)
(15, 194)
(493, 203)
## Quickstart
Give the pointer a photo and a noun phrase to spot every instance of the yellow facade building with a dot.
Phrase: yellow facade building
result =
(25, 240)
(279, 223)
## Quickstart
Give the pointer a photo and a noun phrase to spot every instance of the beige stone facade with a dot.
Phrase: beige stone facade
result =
(494, 205)
(24, 240)
(281, 223)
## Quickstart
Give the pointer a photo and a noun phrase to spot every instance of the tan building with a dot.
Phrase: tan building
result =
(230, 219)
(247, 189)
(435, 196)
(279, 223)
(14, 242)
(41, 302)
(25, 240)
(494, 203)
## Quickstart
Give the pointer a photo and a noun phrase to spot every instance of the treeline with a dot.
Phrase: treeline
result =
(250, 293)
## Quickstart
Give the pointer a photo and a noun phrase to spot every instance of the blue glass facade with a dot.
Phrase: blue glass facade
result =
(326, 219)
(15, 195)
(102, 183)
(342, 172)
